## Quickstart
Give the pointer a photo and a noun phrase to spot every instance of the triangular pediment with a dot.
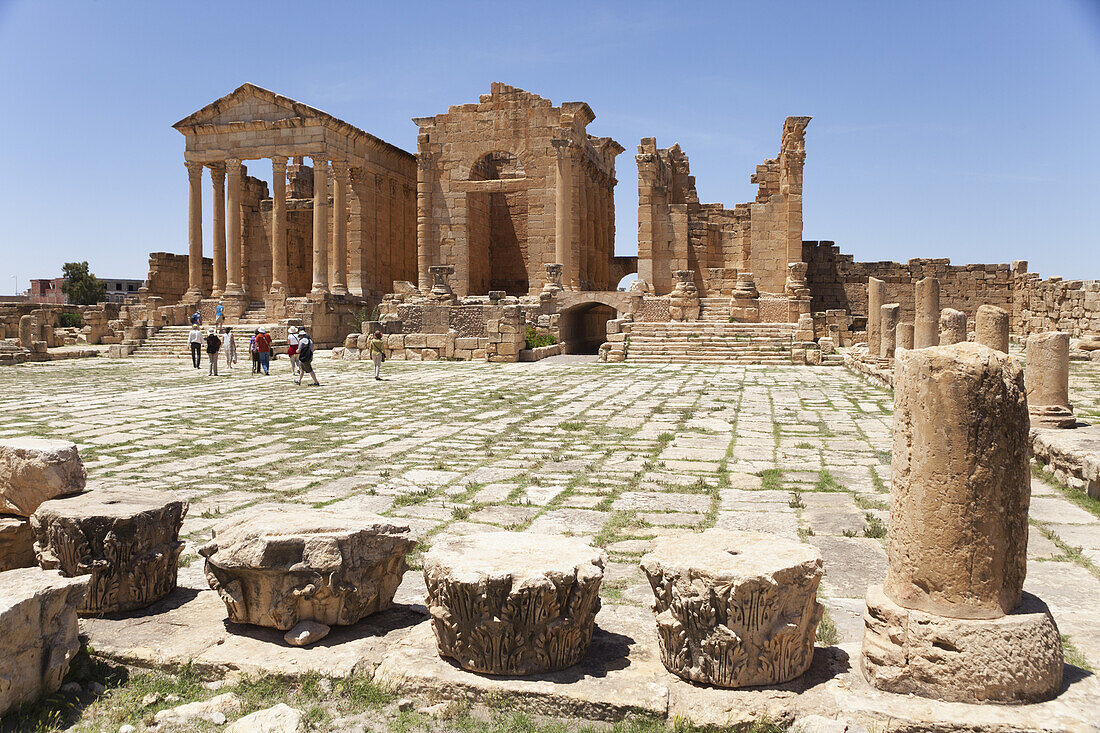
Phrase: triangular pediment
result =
(249, 103)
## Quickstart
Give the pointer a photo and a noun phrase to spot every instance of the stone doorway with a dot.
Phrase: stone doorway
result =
(584, 327)
(498, 226)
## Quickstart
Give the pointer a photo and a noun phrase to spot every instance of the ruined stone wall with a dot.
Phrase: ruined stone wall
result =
(167, 277)
(837, 281)
(487, 193)
(381, 230)
(1041, 305)
(255, 238)
(677, 232)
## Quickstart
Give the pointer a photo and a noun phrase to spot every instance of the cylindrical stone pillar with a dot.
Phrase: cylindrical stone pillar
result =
(563, 215)
(217, 178)
(888, 324)
(194, 230)
(338, 265)
(903, 336)
(1047, 380)
(991, 327)
(926, 322)
(320, 227)
(876, 290)
(952, 327)
(423, 223)
(27, 331)
(278, 225)
(234, 277)
(961, 485)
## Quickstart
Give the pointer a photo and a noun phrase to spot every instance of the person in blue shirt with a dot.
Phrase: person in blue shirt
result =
(219, 315)
(196, 318)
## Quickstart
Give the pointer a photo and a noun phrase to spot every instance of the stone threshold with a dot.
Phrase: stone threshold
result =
(621, 675)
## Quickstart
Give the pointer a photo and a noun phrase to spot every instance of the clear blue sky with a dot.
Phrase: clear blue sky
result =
(941, 129)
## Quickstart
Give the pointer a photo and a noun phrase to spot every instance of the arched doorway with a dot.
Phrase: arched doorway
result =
(497, 226)
(583, 327)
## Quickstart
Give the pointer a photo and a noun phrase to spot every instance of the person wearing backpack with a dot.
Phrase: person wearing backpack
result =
(263, 349)
(377, 353)
(305, 357)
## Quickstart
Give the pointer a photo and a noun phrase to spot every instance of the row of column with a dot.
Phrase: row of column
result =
(228, 278)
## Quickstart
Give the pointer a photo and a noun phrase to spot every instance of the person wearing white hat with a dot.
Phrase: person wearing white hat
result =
(305, 358)
(292, 351)
(263, 349)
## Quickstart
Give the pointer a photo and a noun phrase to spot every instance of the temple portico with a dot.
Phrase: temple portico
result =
(354, 254)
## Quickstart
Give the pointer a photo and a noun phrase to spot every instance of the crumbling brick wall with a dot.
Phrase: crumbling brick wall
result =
(168, 276)
(1055, 304)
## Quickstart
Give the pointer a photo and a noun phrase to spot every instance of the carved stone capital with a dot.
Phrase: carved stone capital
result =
(278, 163)
(233, 167)
(194, 168)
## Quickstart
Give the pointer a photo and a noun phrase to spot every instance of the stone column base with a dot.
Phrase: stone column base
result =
(1015, 658)
(1052, 416)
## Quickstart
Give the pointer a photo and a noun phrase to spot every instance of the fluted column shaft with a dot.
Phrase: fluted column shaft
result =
(320, 227)
(217, 175)
(278, 224)
(563, 213)
(338, 266)
(233, 230)
(194, 229)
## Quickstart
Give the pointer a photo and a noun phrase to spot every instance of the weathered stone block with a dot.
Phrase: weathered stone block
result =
(1047, 380)
(735, 609)
(277, 569)
(513, 603)
(1013, 658)
(39, 635)
(33, 470)
(16, 543)
(126, 540)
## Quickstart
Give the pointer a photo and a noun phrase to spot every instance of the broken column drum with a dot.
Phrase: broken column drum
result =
(875, 296)
(735, 609)
(277, 569)
(903, 336)
(513, 603)
(952, 327)
(926, 323)
(126, 540)
(1047, 380)
(33, 470)
(991, 327)
(958, 537)
(888, 324)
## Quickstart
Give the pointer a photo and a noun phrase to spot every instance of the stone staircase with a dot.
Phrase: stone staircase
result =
(710, 342)
(256, 315)
(714, 310)
(169, 341)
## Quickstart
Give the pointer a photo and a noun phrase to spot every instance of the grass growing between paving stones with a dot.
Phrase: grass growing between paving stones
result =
(827, 632)
(1073, 655)
(1077, 496)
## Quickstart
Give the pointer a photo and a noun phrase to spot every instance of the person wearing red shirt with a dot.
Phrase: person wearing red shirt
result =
(263, 349)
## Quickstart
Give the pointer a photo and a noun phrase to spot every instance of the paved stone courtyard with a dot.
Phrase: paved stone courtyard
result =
(616, 454)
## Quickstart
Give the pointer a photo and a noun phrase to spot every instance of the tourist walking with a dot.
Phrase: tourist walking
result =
(219, 314)
(292, 350)
(230, 348)
(377, 351)
(213, 343)
(305, 358)
(196, 318)
(263, 349)
(194, 339)
(252, 353)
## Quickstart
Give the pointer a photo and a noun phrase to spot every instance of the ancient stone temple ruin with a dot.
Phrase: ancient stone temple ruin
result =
(496, 241)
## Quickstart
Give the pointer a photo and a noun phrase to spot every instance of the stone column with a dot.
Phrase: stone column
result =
(952, 326)
(926, 323)
(233, 287)
(320, 227)
(1047, 380)
(423, 223)
(958, 538)
(991, 327)
(904, 336)
(876, 293)
(888, 324)
(194, 231)
(563, 214)
(217, 176)
(278, 226)
(338, 266)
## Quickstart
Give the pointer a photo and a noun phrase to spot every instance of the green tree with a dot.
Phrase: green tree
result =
(81, 286)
